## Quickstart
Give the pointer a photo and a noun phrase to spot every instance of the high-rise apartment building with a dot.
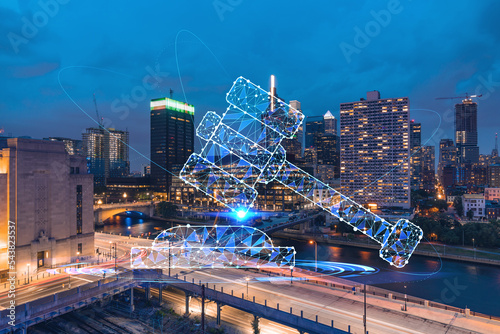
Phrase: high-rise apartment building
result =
(293, 148)
(300, 132)
(416, 155)
(494, 176)
(107, 152)
(172, 139)
(315, 125)
(428, 170)
(328, 153)
(466, 131)
(374, 150)
(46, 195)
(447, 156)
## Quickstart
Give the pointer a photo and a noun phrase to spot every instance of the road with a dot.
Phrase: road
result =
(383, 315)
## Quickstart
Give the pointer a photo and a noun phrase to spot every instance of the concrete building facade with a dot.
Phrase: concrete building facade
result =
(492, 194)
(476, 203)
(47, 195)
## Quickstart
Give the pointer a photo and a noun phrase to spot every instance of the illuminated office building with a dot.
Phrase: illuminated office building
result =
(428, 173)
(330, 123)
(300, 132)
(374, 150)
(172, 139)
(494, 176)
(315, 125)
(447, 157)
(328, 154)
(466, 131)
(107, 153)
(416, 155)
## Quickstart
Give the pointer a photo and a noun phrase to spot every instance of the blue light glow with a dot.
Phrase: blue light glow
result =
(241, 214)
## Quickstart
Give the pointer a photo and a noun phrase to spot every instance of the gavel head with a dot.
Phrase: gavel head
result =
(273, 120)
(399, 244)
(243, 146)
(272, 112)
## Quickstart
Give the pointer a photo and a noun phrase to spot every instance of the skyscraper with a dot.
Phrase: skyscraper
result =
(330, 123)
(466, 131)
(416, 154)
(172, 139)
(107, 153)
(374, 150)
(447, 158)
(300, 132)
(328, 153)
(315, 125)
(428, 178)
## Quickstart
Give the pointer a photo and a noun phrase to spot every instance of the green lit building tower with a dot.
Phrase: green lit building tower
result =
(172, 140)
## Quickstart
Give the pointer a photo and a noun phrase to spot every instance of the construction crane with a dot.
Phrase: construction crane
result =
(466, 97)
(99, 119)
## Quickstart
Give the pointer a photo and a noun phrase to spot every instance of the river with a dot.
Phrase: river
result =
(460, 284)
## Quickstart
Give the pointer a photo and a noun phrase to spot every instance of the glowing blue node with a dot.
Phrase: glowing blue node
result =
(241, 214)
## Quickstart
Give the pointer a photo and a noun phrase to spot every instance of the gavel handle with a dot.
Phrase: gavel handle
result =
(334, 202)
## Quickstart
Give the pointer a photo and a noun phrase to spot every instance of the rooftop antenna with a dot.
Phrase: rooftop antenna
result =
(495, 150)
(273, 90)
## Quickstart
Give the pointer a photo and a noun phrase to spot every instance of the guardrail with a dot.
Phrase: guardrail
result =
(48, 307)
(383, 293)
(261, 308)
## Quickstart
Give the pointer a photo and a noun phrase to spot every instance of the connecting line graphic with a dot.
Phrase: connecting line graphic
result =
(243, 149)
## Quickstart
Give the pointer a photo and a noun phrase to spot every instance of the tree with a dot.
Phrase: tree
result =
(459, 207)
(255, 325)
(470, 214)
(166, 209)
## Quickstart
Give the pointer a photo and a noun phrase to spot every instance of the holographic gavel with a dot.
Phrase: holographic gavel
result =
(243, 148)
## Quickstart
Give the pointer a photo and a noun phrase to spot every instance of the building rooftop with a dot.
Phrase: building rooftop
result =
(473, 196)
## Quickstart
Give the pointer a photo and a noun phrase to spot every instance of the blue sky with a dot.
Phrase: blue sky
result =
(129, 53)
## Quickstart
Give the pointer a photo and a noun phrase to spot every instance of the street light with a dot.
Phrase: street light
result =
(474, 246)
(125, 197)
(169, 256)
(114, 248)
(315, 254)
(247, 279)
(406, 297)
(28, 273)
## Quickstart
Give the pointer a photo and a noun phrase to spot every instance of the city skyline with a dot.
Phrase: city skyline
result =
(322, 85)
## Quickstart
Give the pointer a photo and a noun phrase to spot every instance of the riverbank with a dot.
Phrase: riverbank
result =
(434, 251)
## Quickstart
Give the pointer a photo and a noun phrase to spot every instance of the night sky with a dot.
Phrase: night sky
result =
(323, 53)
